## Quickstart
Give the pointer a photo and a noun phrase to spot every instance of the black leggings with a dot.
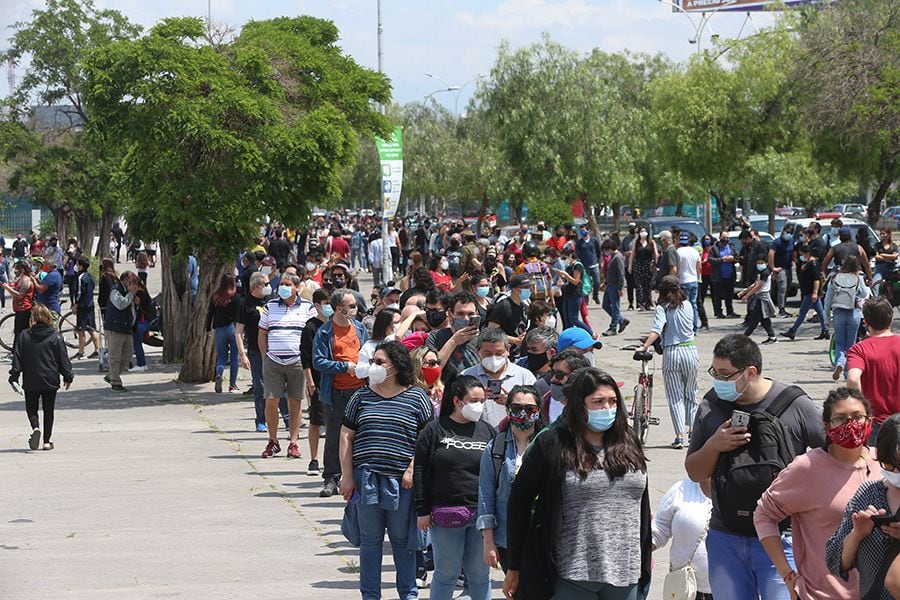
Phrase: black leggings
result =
(31, 407)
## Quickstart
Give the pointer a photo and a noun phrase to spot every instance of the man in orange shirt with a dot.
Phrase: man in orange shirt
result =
(335, 354)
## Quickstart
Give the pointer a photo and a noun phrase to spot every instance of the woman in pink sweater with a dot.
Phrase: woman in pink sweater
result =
(813, 492)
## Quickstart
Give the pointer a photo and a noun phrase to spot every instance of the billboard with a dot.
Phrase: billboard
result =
(736, 5)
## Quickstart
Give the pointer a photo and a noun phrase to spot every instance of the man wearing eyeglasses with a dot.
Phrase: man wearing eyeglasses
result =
(739, 567)
(335, 354)
(562, 365)
(872, 363)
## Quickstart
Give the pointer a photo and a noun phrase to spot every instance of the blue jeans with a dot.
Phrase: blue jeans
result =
(372, 523)
(456, 549)
(570, 311)
(595, 276)
(140, 329)
(690, 289)
(358, 257)
(259, 398)
(806, 303)
(846, 326)
(226, 350)
(611, 305)
(740, 569)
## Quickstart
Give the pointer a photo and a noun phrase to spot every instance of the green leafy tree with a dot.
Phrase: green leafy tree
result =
(220, 134)
(852, 89)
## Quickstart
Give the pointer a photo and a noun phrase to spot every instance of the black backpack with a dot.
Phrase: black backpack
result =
(498, 454)
(742, 475)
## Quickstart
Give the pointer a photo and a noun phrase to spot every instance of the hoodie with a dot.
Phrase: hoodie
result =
(40, 356)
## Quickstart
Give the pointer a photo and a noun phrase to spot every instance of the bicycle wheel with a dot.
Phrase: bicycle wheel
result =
(638, 416)
(7, 331)
(648, 402)
(67, 329)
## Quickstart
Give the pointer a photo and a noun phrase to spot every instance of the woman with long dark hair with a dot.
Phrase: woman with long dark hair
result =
(377, 445)
(673, 322)
(448, 459)
(640, 264)
(222, 314)
(579, 512)
(846, 289)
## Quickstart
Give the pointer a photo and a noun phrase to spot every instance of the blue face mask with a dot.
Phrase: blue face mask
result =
(601, 419)
(327, 310)
(760, 267)
(726, 390)
(483, 291)
(526, 293)
(786, 236)
(285, 291)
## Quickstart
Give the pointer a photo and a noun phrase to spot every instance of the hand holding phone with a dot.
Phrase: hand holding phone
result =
(475, 321)
(740, 418)
(885, 519)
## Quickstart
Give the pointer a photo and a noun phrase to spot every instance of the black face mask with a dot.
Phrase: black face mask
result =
(536, 361)
(338, 282)
(435, 317)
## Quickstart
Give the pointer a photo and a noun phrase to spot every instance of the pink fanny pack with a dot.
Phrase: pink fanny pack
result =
(453, 517)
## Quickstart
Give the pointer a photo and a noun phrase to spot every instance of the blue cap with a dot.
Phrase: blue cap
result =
(578, 337)
(844, 231)
(684, 238)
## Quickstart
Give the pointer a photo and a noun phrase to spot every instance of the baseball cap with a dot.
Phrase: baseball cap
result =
(684, 238)
(388, 291)
(520, 280)
(844, 231)
(578, 337)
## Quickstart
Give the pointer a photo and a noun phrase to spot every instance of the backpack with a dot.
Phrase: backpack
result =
(742, 475)
(453, 258)
(540, 278)
(498, 454)
(587, 282)
(845, 287)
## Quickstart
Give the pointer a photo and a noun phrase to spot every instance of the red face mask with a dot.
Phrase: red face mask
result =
(851, 434)
(431, 374)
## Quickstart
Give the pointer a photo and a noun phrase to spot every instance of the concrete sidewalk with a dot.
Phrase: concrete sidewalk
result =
(160, 493)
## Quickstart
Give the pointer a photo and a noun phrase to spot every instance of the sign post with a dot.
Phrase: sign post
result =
(390, 154)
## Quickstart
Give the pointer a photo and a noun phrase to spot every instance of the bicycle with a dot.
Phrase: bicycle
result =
(641, 409)
(65, 325)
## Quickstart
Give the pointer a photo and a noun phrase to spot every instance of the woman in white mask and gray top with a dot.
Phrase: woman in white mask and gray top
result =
(445, 480)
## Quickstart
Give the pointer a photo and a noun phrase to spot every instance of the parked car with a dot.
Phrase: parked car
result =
(761, 223)
(825, 224)
(791, 211)
(655, 225)
(856, 211)
(892, 212)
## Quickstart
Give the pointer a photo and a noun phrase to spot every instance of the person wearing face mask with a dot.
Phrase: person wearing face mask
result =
(483, 294)
(780, 253)
(508, 311)
(387, 327)
(320, 300)
(454, 341)
(540, 347)
(447, 463)
(280, 329)
(760, 308)
(427, 367)
(562, 542)
(723, 273)
(19, 248)
(613, 287)
(810, 280)
(860, 545)
(496, 373)
(886, 254)
(378, 441)
(335, 354)
(562, 365)
(248, 268)
(580, 340)
(739, 567)
(246, 333)
(833, 473)
(626, 248)
(673, 322)
(220, 319)
(500, 462)
(641, 262)
(342, 280)
(439, 273)
(588, 251)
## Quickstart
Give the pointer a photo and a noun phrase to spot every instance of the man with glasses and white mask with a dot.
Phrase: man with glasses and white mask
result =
(280, 328)
(335, 354)
(562, 365)
(739, 567)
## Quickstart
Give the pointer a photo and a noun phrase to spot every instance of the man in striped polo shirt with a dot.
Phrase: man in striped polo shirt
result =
(280, 329)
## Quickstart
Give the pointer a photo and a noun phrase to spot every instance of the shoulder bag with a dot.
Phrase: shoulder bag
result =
(681, 584)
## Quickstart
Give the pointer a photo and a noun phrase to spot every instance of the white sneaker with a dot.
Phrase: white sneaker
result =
(137, 369)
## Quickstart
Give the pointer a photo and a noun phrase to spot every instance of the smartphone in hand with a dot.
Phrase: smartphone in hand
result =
(740, 418)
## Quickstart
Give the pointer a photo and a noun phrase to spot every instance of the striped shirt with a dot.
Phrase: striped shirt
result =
(386, 428)
(284, 325)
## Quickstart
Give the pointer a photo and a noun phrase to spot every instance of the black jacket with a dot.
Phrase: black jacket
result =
(40, 356)
(535, 518)
(715, 261)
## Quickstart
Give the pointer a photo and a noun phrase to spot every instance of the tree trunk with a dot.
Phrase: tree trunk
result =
(106, 218)
(85, 226)
(175, 302)
(199, 350)
(61, 221)
(589, 214)
(485, 202)
(875, 206)
(616, 208)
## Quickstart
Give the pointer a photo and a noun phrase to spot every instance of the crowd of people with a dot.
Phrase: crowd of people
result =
(463, 411)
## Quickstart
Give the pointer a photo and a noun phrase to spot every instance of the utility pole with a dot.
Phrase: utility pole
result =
(386, 274)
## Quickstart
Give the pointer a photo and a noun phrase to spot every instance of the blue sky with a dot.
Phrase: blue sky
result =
(454, 40)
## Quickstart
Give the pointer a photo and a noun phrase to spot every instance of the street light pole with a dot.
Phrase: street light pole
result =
(386, 274)
(452, 88)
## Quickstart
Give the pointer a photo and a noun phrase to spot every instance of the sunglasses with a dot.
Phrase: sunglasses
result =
(558, 375)
(431, 363)
(528, 408)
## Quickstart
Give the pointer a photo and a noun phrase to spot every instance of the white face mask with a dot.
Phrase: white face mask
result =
(267, 290)
(643, 234)
(445, 265)
(472, 411)
(893, 479)
(550, 322)
(377, 374)
(395, 306)
(493, 363)
(310, 266)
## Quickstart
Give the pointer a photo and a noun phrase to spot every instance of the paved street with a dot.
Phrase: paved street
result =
(160, 493)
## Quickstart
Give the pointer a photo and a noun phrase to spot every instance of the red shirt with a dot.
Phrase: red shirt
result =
(705, 266)
(339, 246)
(442, 282)
(879, 359)
(557, 242)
